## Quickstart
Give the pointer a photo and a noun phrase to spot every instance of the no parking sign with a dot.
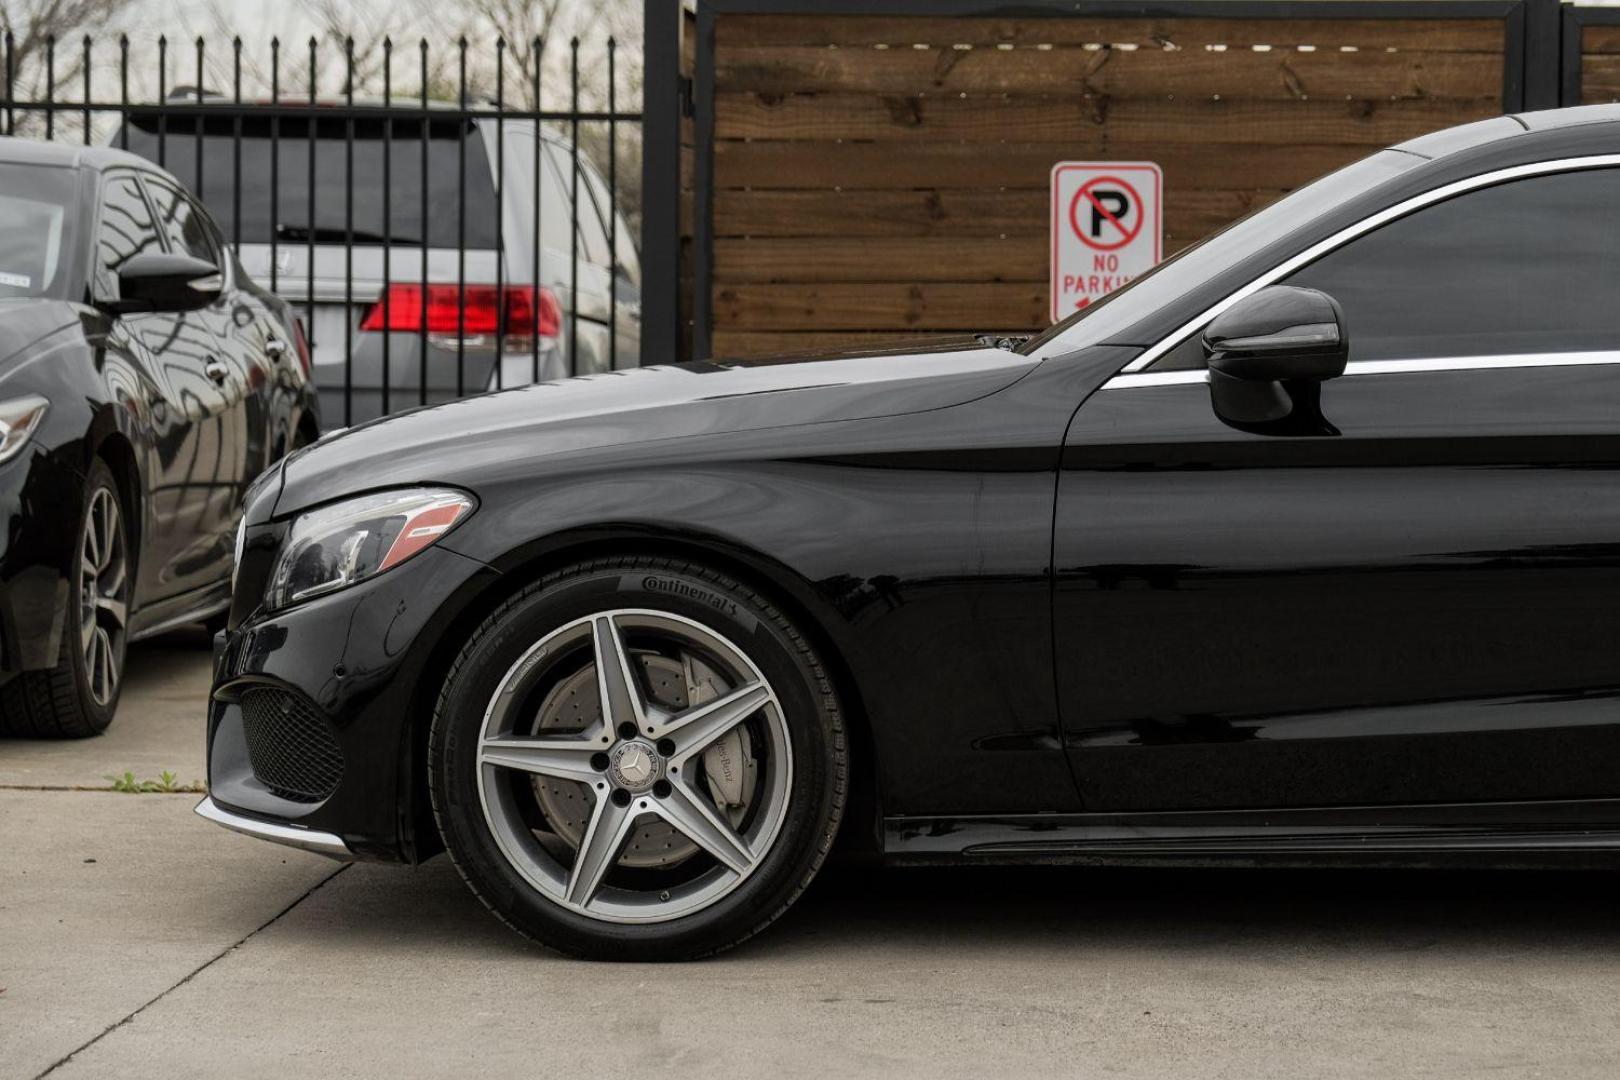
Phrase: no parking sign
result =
(1107, 227)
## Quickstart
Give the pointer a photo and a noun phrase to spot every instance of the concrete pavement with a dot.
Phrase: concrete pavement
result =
(159, 725)
(190, 951)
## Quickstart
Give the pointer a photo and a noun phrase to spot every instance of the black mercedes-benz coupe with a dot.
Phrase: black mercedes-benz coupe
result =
(1300, 546)
(145, 381)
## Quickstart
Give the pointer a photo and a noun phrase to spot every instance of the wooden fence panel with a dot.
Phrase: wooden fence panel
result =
(881, 176)
(1600, 64)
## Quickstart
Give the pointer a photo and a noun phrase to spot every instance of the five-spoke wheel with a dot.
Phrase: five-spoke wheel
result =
(103, 607)
(78, 696)
(635, 763)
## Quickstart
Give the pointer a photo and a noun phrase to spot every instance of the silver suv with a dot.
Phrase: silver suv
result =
(437, 297)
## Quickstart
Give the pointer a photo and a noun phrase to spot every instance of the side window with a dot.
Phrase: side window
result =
(554, 214)
(183, 222)
(126, 230)
(625, 248)
(593, 243)
(1530, 266)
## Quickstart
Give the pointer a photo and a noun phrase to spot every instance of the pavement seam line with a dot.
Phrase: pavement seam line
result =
(198, 970)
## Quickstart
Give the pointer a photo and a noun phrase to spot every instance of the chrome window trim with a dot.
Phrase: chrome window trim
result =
(1360, 228)
(1189, 376)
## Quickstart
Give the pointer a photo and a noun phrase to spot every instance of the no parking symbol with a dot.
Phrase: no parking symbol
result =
(1107, 227)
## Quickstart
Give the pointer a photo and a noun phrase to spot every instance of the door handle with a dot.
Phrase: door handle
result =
(216, 370)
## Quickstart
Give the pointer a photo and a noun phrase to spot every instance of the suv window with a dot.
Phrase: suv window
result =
(273, 201)
(182, 221)
(592, 238)
(1527, 266)
(126, 230)
(625, 248)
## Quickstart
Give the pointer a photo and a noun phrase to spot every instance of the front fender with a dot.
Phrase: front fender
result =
(919, 544)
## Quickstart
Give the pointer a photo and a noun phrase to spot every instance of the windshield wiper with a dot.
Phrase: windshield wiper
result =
(326, 234)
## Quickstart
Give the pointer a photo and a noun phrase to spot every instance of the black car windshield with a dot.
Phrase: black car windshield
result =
(1104, 320)
(34, 214)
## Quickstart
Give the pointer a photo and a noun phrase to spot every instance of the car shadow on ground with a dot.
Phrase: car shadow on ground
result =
(1036, 907)
(152, 661)
(865, 911)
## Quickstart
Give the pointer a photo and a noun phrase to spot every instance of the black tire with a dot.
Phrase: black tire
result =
(809, 706)
(58, 703)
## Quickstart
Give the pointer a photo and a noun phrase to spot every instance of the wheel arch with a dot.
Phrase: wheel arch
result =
(861, 829)
(115, 448)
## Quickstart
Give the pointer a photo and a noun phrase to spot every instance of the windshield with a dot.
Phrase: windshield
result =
(1104, 320)
(34, 202)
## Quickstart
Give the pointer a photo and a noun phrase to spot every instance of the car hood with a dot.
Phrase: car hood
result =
(474, 438)
(25, 321)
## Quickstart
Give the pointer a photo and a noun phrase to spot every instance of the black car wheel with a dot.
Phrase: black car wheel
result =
(638, 759)
(79, 696)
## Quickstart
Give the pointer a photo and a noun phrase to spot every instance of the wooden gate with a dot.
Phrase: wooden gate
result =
(863, 177)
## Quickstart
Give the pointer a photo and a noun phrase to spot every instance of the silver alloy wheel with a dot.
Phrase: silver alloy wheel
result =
(103, 610)
(639, 761)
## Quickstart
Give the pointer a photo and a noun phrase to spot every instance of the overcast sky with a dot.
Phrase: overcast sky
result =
(258, 20)
(294, 21)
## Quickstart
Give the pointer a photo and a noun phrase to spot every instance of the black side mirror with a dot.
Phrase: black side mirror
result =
(163, 281)
(1268, 355)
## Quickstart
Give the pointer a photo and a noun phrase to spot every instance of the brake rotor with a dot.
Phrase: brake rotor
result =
(730, 772)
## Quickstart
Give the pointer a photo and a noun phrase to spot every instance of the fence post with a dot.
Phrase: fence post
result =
(1543, 25)
(662, 96)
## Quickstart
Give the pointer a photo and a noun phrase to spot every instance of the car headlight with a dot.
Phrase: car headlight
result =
(241, 545)
(18, 419)
(336, 546)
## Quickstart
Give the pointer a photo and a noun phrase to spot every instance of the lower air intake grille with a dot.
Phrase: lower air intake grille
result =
(292, 748)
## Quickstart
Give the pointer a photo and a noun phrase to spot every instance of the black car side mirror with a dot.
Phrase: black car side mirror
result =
(1269, 353)
(163, 281)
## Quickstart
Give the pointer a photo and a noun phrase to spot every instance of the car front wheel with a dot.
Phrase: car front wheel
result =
(79, 696)
(638, 759)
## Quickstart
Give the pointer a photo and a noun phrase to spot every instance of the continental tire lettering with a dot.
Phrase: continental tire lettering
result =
(660, 585)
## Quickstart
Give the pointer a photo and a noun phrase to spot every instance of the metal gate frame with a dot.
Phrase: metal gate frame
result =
(1530, 80)
(1575, 19)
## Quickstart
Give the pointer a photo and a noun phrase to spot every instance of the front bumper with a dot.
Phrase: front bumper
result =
(38, 549)
(322, 843)
(316, 720)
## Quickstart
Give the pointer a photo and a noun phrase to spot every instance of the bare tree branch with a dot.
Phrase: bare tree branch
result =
(47, 50)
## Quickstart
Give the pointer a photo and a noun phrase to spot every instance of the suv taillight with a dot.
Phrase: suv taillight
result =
(516, 311)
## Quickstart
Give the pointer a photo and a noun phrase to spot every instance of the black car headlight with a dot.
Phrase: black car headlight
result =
(336, 546)
(18, 419)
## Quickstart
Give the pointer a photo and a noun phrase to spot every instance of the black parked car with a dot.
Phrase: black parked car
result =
(145, 381)
(1302, 545)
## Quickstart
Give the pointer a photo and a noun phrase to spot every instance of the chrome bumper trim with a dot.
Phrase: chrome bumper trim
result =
(322, 843)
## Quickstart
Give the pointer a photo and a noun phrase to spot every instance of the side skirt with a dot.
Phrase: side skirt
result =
(1491, 832)
(194, 606)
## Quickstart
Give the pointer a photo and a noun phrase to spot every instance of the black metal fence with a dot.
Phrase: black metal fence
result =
(443, 225)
